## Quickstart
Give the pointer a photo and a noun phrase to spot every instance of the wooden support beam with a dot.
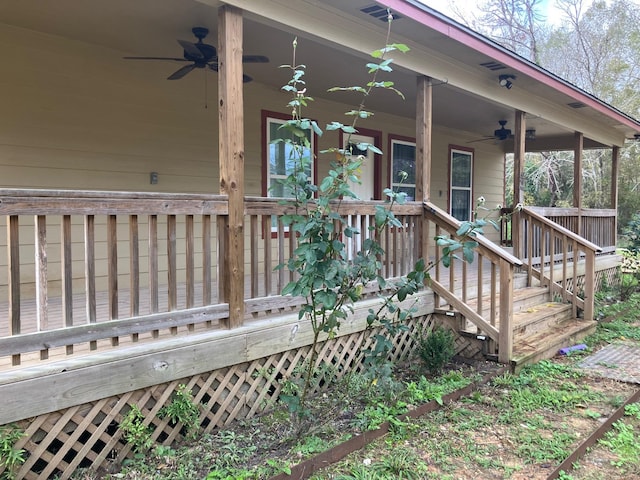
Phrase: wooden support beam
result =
(424, 129)
(517, 233)
(231, 155)
(505, 344)
(577, 178)
(615, 165)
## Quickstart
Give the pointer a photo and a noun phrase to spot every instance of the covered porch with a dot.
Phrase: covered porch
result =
(139, 235)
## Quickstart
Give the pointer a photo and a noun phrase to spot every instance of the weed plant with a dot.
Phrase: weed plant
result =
(10, 456)
(182, 409)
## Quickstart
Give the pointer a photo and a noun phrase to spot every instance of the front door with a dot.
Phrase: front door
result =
(365, 189)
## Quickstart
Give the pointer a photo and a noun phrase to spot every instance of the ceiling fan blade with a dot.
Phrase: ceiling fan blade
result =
(157, 58)
(178, 74)
(481, 139)
(255, 59)
(245, 78)
(191, 48)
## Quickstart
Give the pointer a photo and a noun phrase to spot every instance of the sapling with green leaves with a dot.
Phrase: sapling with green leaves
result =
(329, 278)
(326, 276)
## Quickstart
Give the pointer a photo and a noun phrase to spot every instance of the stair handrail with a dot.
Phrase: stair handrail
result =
(453, 224)
(559, 228)
(507, 266)
(586, 304)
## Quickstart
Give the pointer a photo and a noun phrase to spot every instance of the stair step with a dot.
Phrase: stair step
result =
(523, 298)
(546, 343)
(541, 317)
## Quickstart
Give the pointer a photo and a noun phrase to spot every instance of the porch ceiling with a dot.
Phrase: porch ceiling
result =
(151, 27)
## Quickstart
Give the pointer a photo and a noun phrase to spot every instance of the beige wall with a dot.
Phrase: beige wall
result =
(79, 116)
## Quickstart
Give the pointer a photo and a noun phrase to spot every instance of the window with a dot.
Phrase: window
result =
(403, 159)
(461, 175)
(278, 158)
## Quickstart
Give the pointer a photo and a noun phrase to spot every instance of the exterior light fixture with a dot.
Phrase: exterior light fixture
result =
(530, 134)
(505, 81)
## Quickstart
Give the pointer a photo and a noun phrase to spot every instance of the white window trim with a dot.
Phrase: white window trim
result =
(452, 188)
(270, 176)
(394, 180)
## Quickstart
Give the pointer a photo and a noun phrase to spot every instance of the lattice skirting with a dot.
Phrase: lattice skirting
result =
(88, 435)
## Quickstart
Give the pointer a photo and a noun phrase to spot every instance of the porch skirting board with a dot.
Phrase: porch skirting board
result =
(235, 375)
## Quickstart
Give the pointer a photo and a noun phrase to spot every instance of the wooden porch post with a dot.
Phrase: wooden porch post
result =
(517, 229)
(577, 178)
(615, 160)
(231, 158)
(424, 123)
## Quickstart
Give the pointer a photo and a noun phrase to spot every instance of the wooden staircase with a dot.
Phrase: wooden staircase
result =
(541, 326)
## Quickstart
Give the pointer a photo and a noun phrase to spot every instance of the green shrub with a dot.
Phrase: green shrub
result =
(436, 349)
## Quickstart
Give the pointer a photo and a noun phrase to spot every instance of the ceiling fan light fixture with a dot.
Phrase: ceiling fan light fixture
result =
(506, 81)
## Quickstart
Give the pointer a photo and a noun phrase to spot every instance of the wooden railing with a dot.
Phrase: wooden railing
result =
(598, 226)
(556, 257)
(463, 281)
(91, 270)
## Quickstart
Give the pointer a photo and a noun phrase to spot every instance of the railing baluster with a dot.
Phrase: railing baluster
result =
(13, 242)
(67, 275)
(42, 281)
(172, 267)
(90, 271)
(153, 266)
(268, 268)
(190, 263)
(565, 266)
(134, 268)
(112, 258)
(253, 244)
(480, 285)
(281, 259)
(494, 293)
(206, 260)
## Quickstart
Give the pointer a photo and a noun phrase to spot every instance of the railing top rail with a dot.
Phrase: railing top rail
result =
(266, 205)
(483, 242)
(108, 194)
(86, 202)
(573, 211)
(566, 232)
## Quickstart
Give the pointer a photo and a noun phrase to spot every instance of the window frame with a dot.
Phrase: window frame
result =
(400, 139)
(266, 120)
(471, 153)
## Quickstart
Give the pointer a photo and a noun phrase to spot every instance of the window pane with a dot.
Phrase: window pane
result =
(404, 160)
(283, 157)
(460, 169)
(410, 191)
(461, 204)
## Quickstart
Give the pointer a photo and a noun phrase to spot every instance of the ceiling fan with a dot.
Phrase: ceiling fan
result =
(200, 55)
(500, 134)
